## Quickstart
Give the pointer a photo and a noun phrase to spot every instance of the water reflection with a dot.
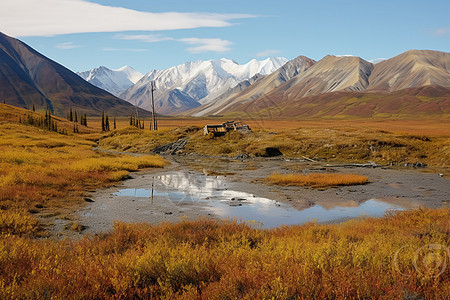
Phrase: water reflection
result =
(213, 193)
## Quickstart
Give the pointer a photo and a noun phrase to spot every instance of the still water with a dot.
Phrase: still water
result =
(212, 193)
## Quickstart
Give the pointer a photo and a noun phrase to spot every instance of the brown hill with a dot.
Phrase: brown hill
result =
(413, 83)
(428, 101)
(27, 77)
(413, 68)
(255, 88)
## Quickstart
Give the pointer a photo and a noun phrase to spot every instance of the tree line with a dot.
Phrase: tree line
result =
(44, 122)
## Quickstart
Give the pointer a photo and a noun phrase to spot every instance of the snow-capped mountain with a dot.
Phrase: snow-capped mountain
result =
(192, 84)
(113, 81)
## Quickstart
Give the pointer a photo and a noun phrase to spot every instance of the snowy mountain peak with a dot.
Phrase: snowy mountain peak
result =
(197, 82)
(113, 81)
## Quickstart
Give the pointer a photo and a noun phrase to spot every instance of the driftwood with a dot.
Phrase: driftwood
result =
(309, 159)
(368, 165)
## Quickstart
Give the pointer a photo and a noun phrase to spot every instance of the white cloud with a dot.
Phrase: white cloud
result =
(67, 46)
(201, 44)
(55, 17)
(148, 38)
(442, 31)
(206, 45)
(269, 52)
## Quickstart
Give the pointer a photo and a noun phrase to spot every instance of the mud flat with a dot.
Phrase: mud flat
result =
(223, 188)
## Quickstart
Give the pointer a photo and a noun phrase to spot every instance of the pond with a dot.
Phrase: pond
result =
(212, 194)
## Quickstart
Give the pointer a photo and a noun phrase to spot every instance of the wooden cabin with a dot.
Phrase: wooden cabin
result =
(223, 128)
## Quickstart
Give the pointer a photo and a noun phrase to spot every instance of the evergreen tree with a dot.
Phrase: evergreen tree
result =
(76, 117)
(103, 121)
(107, 123)
(131, 120)
(70, 115)
(115, 123)
(34, 108)
(85, 120)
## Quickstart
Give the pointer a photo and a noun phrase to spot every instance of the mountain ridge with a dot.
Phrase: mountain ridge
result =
(199, 82)
(29, 78)
(114, 81)
(411, 69)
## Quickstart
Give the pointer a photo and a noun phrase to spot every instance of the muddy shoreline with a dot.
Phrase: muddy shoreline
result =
(407, 189)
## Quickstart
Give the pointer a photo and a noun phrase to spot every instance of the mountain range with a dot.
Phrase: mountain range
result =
(414, 83)
(193, 84)
(29, 78)
(113, 81)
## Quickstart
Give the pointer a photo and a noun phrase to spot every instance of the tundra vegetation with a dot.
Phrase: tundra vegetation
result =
(337, 143)
(42, 172)
(317, 180)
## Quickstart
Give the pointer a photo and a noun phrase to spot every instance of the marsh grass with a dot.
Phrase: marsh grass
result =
(208, 259)
(205, 259)
(45, 171)
(317, 180)
(340, 144)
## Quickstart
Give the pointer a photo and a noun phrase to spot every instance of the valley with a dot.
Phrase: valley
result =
(340, 190)
(72, 213)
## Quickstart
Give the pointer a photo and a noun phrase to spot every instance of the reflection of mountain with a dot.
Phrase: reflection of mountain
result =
(211, 187)
(194, 184)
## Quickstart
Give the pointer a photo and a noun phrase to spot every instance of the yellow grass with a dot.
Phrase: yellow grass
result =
(403, 256)
(317, 179)
(400, 256)
(43, 171)
(340, 144)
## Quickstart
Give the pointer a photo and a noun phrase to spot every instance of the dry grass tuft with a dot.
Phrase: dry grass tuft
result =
(362, 259)
(317, 180)
(43, 169)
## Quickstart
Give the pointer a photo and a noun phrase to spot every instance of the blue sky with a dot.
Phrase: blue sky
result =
(148, 34)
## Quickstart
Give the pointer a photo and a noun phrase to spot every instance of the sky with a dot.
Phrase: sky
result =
(149, 35)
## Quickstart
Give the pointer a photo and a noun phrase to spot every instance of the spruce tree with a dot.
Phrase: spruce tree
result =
(34, 108)
(85, 120)
(115, 123)
(103, 121)
(107, 123)
(76, 117)
(70, 115)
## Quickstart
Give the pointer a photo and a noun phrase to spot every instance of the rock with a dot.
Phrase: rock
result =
(172, 148)
(242, 156)
(88, 199)
(420, 165)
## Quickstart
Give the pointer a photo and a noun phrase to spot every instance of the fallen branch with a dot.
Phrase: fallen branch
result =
(368, 165)
(309, 159)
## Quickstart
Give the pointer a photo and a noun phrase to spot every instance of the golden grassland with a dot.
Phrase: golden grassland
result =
(387, 258)
(316, 180)
(399, 256)
(342, 143)
(42, 171)
(433, 127)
